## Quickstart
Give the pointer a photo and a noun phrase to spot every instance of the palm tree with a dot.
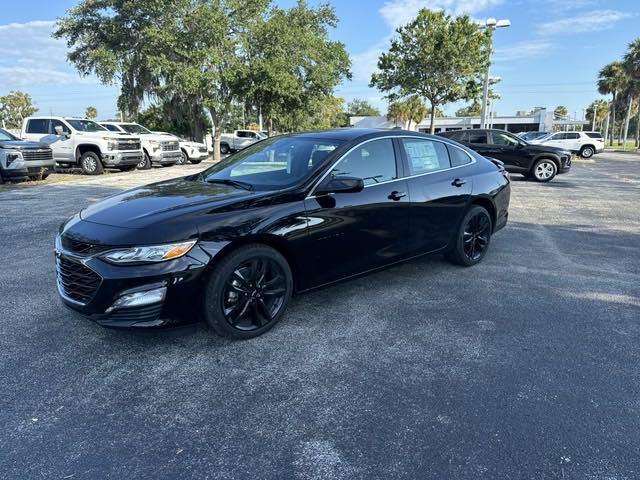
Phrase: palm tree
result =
(631, 62)
(611, 80)
(398, 112)
(416, 109)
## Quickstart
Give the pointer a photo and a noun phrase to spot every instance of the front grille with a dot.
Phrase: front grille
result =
(77, 281)
(144, 313)
(170, 146)
(82, 248)
(37, 154)
(129, 145)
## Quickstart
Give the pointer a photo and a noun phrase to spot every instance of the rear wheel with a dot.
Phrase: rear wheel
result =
(473, 238)
(224, 148)
(544, 170)
(587, 151)
(145, 163)
(91, 164)
(248, 291)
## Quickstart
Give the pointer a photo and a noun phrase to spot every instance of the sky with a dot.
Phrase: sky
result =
(549, 56)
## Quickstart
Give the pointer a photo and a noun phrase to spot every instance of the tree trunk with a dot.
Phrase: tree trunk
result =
(613, 118)
(270, 126)
(432, 126)
(626, 123)
(638, 125)
(216, 120)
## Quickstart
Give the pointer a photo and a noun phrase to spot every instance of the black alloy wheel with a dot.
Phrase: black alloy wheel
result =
(473, 238)
(248, 291)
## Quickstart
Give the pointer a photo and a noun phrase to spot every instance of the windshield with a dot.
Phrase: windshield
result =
(6, 136)
(85, 125)
(275, 163)
(135, 128)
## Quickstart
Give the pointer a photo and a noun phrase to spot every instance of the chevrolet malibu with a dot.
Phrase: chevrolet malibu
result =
(233, 243)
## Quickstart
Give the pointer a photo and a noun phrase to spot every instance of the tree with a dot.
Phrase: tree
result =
(437, 57)
(293, 65)
(359, 107)
(472, 110)
(164, 118)
(611, 80)
(91, 112)
(561, 111)
(397, 112)
(416, 110)
(14, 107)
(596, 112)
(631, 63)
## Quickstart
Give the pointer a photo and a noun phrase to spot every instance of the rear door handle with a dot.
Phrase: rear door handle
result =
(458, 182)
(395, 195)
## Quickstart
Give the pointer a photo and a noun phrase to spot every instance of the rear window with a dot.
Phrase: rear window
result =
(458, 156)
(594, 134)
(38, 125)
(477, 137)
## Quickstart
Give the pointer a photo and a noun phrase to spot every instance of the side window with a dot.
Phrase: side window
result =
(113, 128)
(458, 156)
(425, 155)
(373, 161)
(57, 123)
(558, 136)
(477, 137)
(38, 125)
(572, 136)
(457, 136)
(500, 138)
(242, 134)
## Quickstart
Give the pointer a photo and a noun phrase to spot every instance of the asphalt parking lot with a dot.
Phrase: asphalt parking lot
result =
(525, 366)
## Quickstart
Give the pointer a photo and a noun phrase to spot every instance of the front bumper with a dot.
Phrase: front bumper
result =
(198, 155)
(23, 170)
(122, 159)
(565, 165)
(166, 158)
(93, 287)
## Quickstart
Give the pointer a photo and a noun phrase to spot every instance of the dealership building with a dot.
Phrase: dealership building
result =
(541, 120)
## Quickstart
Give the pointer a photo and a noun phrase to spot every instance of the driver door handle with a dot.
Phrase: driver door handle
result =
(395, 195)
(458, 182)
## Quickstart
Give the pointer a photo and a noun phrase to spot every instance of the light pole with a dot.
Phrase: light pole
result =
(490, 24)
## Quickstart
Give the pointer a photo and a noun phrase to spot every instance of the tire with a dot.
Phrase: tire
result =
(145, 163)
(224, 148)
(241, 299)
(587, 151)
(195, 162)
(472, 239)
(544, 170)
(44, 176)
(91, 164)
(184, 158)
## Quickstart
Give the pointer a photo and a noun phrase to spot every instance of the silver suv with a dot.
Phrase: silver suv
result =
(21, 160)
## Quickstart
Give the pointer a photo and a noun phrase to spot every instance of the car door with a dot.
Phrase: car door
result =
(509, 150)
(243, 139)
(572, 141)
(349, 233)
(37, 130)
(439, 190)
(478, 141)
(556, 140)
(62, 145)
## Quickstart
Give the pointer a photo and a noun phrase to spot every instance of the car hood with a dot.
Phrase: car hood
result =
(159, 137)
(173, 201)
(21, 145)
(542, 148)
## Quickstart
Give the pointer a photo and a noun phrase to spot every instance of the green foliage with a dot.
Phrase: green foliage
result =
(14, 107)
(91, 112)
(472, 110)
(561, 111)
(360, 107)
(436, 56)
(167, 117)
(599, 107)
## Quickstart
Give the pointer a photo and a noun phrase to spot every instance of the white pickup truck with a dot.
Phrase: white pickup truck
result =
(158, 149)
(194, 152)
(82, 142)
(231, 142)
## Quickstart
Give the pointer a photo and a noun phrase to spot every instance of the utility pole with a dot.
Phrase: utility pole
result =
(491, 24)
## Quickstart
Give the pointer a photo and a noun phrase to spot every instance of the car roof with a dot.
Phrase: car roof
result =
(351, 134)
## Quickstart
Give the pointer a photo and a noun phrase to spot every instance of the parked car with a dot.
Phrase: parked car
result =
(157, 149)
(232, 142)
(84, 143)
(23, 160)
(585, 144)
(540, 162)
(194, 152)
(283, 216)
(528, 136)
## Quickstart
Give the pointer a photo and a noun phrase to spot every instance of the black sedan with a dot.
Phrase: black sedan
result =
(540, 162)
(285, 215)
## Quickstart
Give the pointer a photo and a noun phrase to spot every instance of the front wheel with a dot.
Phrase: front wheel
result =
(248, 291)
(224, 148)
(184, 158)
(586, 151)
(90, 164)
(145, 163)
(473, 238)
(544, 170)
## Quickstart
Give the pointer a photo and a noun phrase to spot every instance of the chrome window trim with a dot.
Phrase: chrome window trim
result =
(473, 160)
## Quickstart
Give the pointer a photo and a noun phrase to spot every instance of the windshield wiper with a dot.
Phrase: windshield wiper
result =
(228, 181)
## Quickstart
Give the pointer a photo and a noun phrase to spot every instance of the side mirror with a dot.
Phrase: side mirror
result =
(341, 185)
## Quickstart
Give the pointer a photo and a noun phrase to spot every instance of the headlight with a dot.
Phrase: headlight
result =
(153, 253)
(111, 144)
(11, 157)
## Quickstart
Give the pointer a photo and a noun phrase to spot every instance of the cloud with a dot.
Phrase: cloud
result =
(522, 50)
(399, 12)
(29, 55)
(587, 22)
